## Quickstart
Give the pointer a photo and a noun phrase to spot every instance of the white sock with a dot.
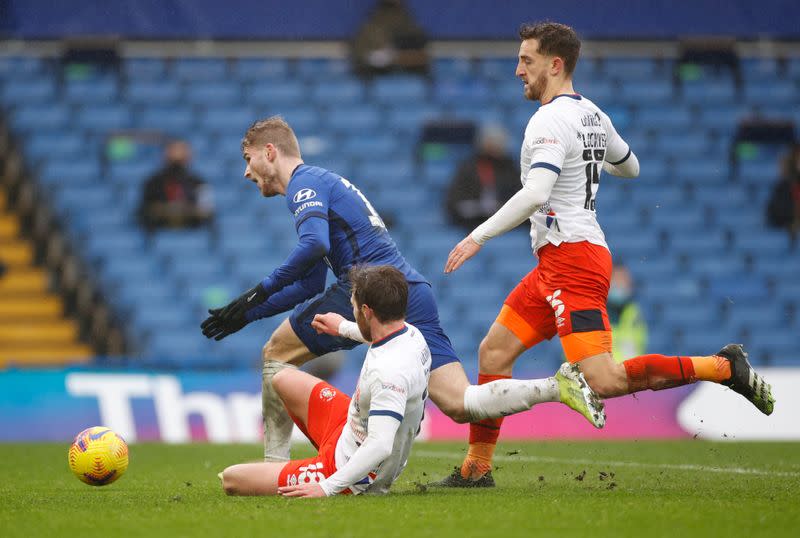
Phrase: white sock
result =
(508, 396)
(277, 422)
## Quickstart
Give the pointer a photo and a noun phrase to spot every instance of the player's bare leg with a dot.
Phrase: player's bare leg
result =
(728, 367)
(283, 350)
(446, 386)
(293, 387)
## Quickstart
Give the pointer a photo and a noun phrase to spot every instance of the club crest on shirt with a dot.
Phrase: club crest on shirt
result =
(327, 394)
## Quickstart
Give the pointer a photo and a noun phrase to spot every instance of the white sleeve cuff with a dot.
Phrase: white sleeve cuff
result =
(349, 329)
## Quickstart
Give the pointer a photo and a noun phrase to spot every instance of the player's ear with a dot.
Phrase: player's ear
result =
(556, 66)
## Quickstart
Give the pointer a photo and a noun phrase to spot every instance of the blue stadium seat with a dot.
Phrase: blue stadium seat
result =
(52, 144)
(680, 289)
(260, 69)
(20, 66)
(706, 92)
(114, 244)
(355, 118)
(20, 91)
(409, 118)
(633, 69)
(104, 117)
(690, 314)
(200, 69)
(34, 117)
(329, 68)
(473, 92)
(172, 118)
(371, 147)
(600, 92)
(739, 288)
(182, 243)
(770, 91)
(144, 68)
(276, 94)
(770, 244)
(83, 170)
(653, 91)
(228, 118)
(459, 68)
(148, 92)
(757, 316)
(103, 90)
(131, 172)
(399, 89)
(665, 117)
(213, 94)
(336, 92)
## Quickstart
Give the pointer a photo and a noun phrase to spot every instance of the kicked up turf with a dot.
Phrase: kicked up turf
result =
(679, 489)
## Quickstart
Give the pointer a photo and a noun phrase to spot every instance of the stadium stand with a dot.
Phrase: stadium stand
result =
(691, 231)
(33, 329)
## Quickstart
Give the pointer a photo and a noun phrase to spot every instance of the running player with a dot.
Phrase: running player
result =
(363, 443)
(567, 143)
(338, 228)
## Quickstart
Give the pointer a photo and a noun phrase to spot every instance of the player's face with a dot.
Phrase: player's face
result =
(361, 320)
(532, 69)
(261, 169)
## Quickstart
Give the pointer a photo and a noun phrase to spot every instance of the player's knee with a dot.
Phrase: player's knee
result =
(492, 357)
(455, 411)
(281, 381)
(230, 483)
(607, 382)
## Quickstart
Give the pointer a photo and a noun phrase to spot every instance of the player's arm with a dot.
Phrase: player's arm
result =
(620, 160)
(313, 245)
(336, 325)
(627, 167)
(292, 295)
(388, 396)
(520, 207)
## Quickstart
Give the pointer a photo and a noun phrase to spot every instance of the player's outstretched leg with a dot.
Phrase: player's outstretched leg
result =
(746, 381)
(575, 392)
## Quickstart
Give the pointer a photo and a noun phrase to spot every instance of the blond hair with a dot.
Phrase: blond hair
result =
(273, 130)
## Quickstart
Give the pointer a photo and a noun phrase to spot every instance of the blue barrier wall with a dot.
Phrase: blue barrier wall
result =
(444, 19)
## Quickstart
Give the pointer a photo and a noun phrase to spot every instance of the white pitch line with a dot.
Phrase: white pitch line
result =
(670, 466)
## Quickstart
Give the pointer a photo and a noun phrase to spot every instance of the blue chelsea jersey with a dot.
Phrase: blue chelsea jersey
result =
(357, 233)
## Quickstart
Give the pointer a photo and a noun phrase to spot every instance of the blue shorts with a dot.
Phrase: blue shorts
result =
(422, 313)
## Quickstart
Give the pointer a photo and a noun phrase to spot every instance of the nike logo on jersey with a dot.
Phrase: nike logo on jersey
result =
(251, 297)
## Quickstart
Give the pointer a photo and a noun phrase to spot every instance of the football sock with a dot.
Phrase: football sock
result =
(277, 422)
(505, 397)
(658, 372)
(712, 368)
(482, 439)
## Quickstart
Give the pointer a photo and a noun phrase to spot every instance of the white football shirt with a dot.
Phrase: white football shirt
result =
(394, 383)
(572, 137)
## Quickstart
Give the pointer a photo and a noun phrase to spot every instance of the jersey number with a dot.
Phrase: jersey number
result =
(594, 160)
(374, 218)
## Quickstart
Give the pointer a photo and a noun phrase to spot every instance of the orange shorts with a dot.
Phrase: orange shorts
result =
(327, 416)
(565, 294)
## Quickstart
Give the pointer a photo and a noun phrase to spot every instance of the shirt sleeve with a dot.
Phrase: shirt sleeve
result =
(617, 150)
(306, 197)
(312, 247)
(547, 142)
(293, 294)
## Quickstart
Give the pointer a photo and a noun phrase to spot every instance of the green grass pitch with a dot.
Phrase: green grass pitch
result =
(641, 489)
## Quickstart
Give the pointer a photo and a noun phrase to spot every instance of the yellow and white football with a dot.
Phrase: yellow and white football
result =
(98, 456)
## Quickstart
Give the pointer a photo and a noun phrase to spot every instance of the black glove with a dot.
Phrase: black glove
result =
(232, 318)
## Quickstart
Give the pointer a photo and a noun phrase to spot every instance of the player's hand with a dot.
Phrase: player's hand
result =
(327, 323)
(231, 318)
(309, 490)
(463, 251)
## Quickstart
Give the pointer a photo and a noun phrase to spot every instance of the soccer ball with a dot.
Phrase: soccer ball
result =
(98, 456)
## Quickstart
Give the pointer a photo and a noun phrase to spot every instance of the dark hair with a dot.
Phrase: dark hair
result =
(273, 130)
(554, 39)
(381, 287)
